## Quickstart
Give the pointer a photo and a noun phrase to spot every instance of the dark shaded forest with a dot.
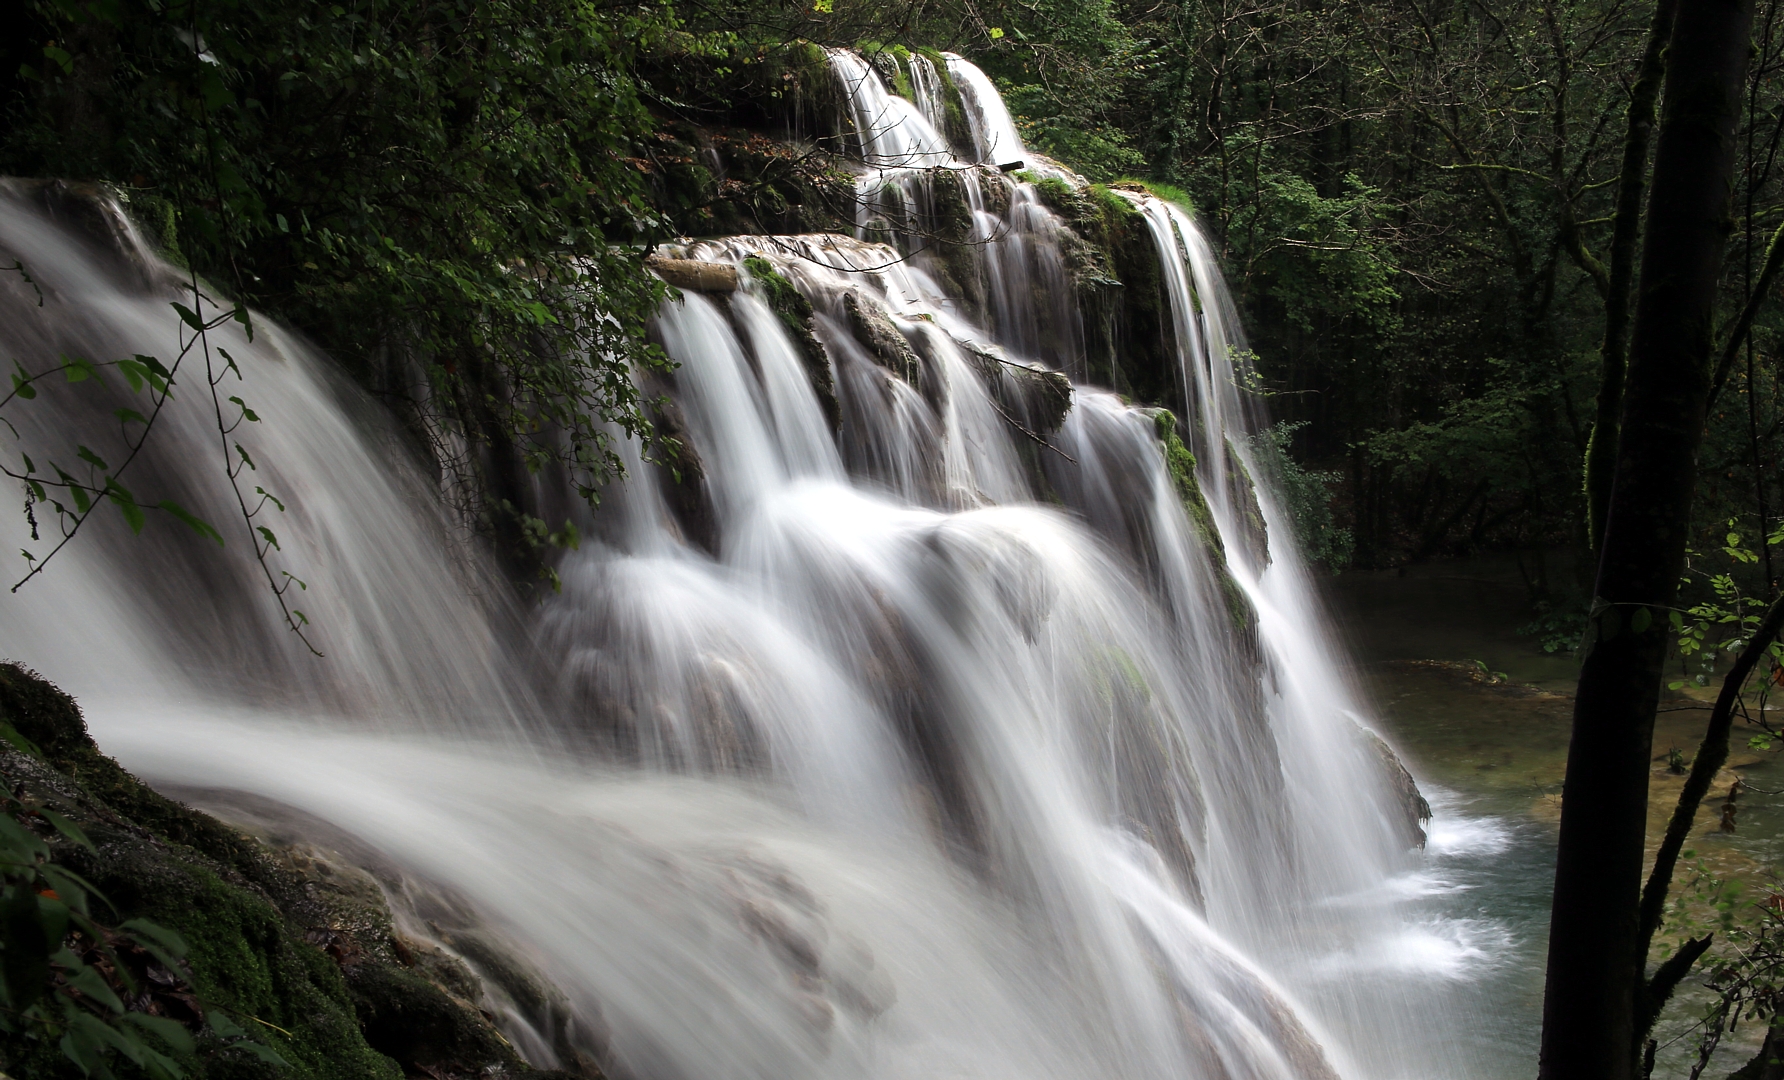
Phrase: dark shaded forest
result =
(1414, 203)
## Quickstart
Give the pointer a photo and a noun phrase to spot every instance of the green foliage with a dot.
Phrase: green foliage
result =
(1722, 612)
(1168, 192)
(448, 183)
(91, 990)
(1071, 132)
(1307, 494)
(1556, 627)
(1742, 977)
(1318, 256)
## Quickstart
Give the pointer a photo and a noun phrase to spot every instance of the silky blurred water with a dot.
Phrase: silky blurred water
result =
(929, 742)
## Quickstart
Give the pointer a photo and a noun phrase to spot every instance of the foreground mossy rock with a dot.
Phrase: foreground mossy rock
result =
(1181, 464)
(321, 982)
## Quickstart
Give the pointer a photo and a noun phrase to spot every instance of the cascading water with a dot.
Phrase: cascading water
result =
(995, 139)
(946, 746)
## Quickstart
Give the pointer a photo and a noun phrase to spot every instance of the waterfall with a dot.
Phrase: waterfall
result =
(922, 732)
(995, 139)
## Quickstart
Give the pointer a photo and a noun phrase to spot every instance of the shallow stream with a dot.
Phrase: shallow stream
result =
(1482, 716)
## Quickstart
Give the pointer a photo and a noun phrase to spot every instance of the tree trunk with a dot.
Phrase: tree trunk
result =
(1596, 965)
(1601, 450)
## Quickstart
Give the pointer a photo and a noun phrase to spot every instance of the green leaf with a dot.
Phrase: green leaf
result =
(193, 522)
(69, 885)
(160, 937)
(126, 502)
(103, 1034)
(89, 982)
(78, 370)
(1641, 620)
(25, 962)
(246, 460)
(271, 540)
(82, 502)
(129, 416)
(80, 1045)
(189, 317)
(91, 458)
(247, 413)
(171, 1032)
(270, 497)
(66, 828)
(20, 843)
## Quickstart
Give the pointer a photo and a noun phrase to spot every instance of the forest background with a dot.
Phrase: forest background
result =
(1412, 201)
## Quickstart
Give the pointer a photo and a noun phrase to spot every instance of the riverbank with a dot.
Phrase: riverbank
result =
(1482, 716)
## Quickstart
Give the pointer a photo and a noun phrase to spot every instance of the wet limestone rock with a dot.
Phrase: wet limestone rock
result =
(1039, 399)
(950, 252)
(1414, 810)
(680, 470)
(873, 328)
(795, 312)
(1242, 497)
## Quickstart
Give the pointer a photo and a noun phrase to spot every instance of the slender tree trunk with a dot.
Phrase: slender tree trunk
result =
(1601, 450)
(1596, 966)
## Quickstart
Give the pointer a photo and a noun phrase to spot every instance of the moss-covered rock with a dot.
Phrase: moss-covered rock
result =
(315, 987)
(796, 313)
(1181, 464)
(1242, 497)
(950, 252)
(1109, 251)
(957, 129)
(1036, 398)
(1413, 810)
(873, 328)
(727, 181)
